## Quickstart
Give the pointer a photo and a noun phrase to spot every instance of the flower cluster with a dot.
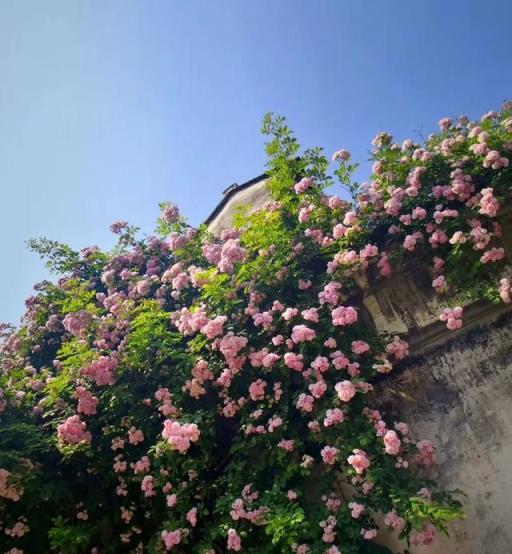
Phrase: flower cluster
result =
(73, 431)
(180, 436)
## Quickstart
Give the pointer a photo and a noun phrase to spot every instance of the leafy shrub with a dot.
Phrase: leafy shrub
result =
(207, 394)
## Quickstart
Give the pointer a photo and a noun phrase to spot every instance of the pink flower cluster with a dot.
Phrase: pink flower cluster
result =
(425, 537)
(341, 156)
(495, 160)
(213, 328)
(452, 316)
(147, 486)
(392, 519)
(392, 443)
(333, 417)
(439, 283)
(398, 348)
(257, 390)
(73, 431)
(180, 436)
(303, 185)
(230, 254)
(328, 526)
(239, 511)
(505, 290)
(343, 316)
(493, 255)
(329, 455)
(346, 390)
(305, 402)
(330, 294)
(76, 323)
(87, 402)
(360, 347)
(171, 538)
(302, 333)
(170, 213)
(425, 455)
(489, 205)
(234, 541)
(7, 488)
(356, 510)
(135, 436)
(101, 371)
(359, 460)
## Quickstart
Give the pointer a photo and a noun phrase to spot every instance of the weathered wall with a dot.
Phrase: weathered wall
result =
(459, 394)
(455, 388)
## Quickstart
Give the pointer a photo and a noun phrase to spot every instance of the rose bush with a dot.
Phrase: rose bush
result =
(199, 394)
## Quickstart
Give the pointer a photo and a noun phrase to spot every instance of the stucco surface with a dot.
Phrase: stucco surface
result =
(460, 395)
(255, 196)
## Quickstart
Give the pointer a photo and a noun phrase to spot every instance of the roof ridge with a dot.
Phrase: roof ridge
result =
(230, 191)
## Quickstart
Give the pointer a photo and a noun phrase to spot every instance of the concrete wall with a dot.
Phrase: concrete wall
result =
(455, 388)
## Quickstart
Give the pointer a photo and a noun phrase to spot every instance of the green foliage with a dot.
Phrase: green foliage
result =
(64, 537)
(285, 525)
(151, 342)
(60, 258)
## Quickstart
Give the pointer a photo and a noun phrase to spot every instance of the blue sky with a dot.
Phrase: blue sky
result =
(108, 107)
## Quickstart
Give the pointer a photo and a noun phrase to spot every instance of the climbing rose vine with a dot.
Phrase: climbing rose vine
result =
(193, 393)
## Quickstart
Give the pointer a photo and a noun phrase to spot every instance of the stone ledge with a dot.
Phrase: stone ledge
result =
(406, 303)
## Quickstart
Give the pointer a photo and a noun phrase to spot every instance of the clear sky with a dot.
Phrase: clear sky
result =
(108, 107)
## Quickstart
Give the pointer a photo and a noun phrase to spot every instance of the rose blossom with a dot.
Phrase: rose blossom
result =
(346, 390)
(329, 454)
(392, 443)
(359, 460)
